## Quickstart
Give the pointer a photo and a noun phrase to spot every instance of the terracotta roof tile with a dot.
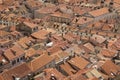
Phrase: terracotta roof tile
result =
(52, 71)
(40, 62)
(113, 68)
(3, 33)
(23, 42)
(99, 12)
(19, 71)
(80, 62)
(117, 44)
(84, 20)
(89, 46)
(108, 52)
(30, 52)
(98, 38)
(29, 24)
(41, 34)
(14, 52)
(67, 68)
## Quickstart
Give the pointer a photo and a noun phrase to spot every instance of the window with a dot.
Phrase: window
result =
(1, 63)
(1, 46)
(34, 29)
(9, 37)
(21, 58)
(18, 60)
(13, 62)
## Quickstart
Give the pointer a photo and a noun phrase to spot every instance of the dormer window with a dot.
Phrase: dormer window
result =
(36, 28)
(13, 62)
(111, 3)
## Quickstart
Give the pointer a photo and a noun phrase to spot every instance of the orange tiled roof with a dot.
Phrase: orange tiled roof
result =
(29, 24)
(84, 20)
(113, 68)
(14, 52)
(30, 52)
(40, 62)
(108, 52)
(19, 71)
(98, 38)
(117, 44)
(4, 33)
(99, 12)
(24, 41)
(89, 46)
(58, 14)
(53, 71)
(80, 62)
(41, 34)
(66, 67)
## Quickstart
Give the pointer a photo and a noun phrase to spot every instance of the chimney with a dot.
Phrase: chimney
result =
(85, 19)
(15, 78)
(102, 3)
(50, 34)
(76, 20)
(53, 77)
(111, 4)
(49, 53)
(14, 52)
